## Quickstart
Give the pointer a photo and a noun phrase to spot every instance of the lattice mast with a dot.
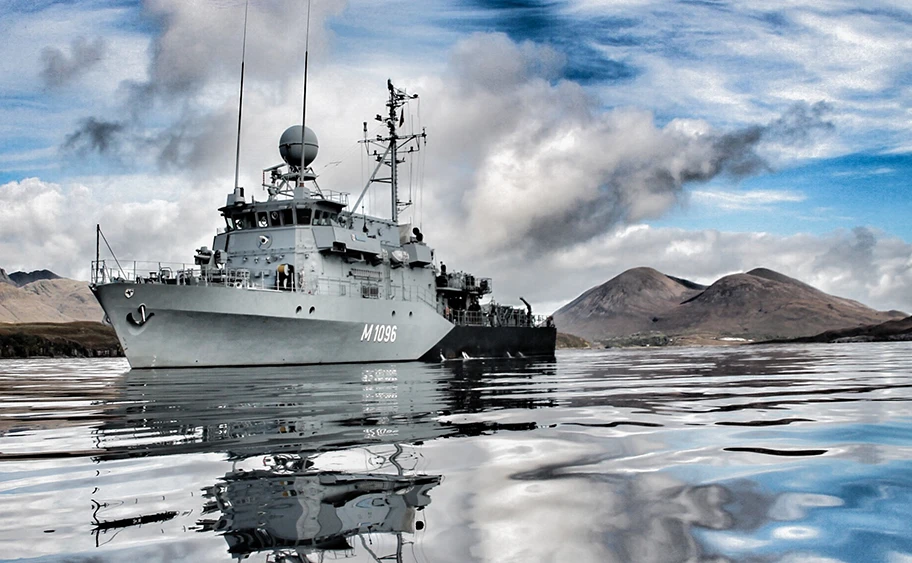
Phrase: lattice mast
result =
(394, 145)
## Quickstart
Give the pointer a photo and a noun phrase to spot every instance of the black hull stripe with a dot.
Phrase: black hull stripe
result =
(494, 342)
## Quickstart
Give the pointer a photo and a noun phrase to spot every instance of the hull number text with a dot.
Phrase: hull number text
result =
(378, 333)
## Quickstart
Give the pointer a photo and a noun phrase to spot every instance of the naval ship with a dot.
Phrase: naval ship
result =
(302, 278)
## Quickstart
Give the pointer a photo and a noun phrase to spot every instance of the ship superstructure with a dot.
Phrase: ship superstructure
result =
(300, 278)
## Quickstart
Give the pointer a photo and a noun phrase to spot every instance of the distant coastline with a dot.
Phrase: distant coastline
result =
(891, 331)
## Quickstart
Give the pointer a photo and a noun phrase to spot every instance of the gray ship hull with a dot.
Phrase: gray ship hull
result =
(162, 325)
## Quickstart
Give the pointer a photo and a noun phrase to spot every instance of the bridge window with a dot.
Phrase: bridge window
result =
(288, 216)
(304, 216)
(243, 221)
(262, 220)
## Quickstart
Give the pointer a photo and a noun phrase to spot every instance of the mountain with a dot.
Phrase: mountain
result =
(625, 304)
(25, 278)
(49, 298)
(760, 304)
(71, 298)
(19, 306)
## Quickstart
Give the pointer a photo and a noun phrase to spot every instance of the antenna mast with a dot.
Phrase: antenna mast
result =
(304, 111)
(237, 156)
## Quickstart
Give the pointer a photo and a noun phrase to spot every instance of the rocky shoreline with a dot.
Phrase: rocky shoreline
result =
(58, 340)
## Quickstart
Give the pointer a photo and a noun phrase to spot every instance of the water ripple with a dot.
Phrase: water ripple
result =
(766, 453)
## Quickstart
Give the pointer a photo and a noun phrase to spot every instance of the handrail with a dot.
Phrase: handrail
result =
(185, 274)
(494, 318)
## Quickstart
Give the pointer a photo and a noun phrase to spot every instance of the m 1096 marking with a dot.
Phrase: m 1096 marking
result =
(378, 333)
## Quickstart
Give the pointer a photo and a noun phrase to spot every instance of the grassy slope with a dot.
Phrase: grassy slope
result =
(78, 339)
(570, 341)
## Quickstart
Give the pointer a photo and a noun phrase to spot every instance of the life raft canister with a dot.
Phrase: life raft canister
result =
(285, 278)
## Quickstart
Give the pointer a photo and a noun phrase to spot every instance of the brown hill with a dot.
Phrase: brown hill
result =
(624, 304)
(48, 300)
(71, 298)
(20, 306)
(761, 304)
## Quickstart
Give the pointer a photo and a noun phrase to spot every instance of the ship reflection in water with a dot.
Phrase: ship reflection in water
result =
(293, 510)
(323, 459)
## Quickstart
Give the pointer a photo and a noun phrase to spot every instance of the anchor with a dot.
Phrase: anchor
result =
(143, 316)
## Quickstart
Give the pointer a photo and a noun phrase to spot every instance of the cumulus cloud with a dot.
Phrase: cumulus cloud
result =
(59, 68)
(868, 266)
(201, 42)
(49, 225)
(541, 166)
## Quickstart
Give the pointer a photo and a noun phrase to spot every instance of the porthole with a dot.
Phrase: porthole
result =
(394, 313)
(298, 310)
(312, 310)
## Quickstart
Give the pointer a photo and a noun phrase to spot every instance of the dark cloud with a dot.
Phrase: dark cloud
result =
(799, 123)
(734, 154)
(736, 151)
(60, 68)
(95, 135)
(196, 143)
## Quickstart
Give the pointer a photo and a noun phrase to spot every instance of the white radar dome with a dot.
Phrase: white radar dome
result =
(290, 146)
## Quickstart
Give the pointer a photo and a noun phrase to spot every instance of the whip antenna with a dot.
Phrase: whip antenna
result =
(237, 156)
(304, 111)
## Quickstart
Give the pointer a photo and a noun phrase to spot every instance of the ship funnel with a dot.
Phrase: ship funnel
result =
(290, 146)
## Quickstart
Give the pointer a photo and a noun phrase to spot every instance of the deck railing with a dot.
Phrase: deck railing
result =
(502, 316)
(186, 274)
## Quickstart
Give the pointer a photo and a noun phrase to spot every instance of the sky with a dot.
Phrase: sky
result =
(568, 140)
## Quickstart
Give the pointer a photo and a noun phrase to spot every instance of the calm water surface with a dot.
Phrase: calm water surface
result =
(787, 453)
